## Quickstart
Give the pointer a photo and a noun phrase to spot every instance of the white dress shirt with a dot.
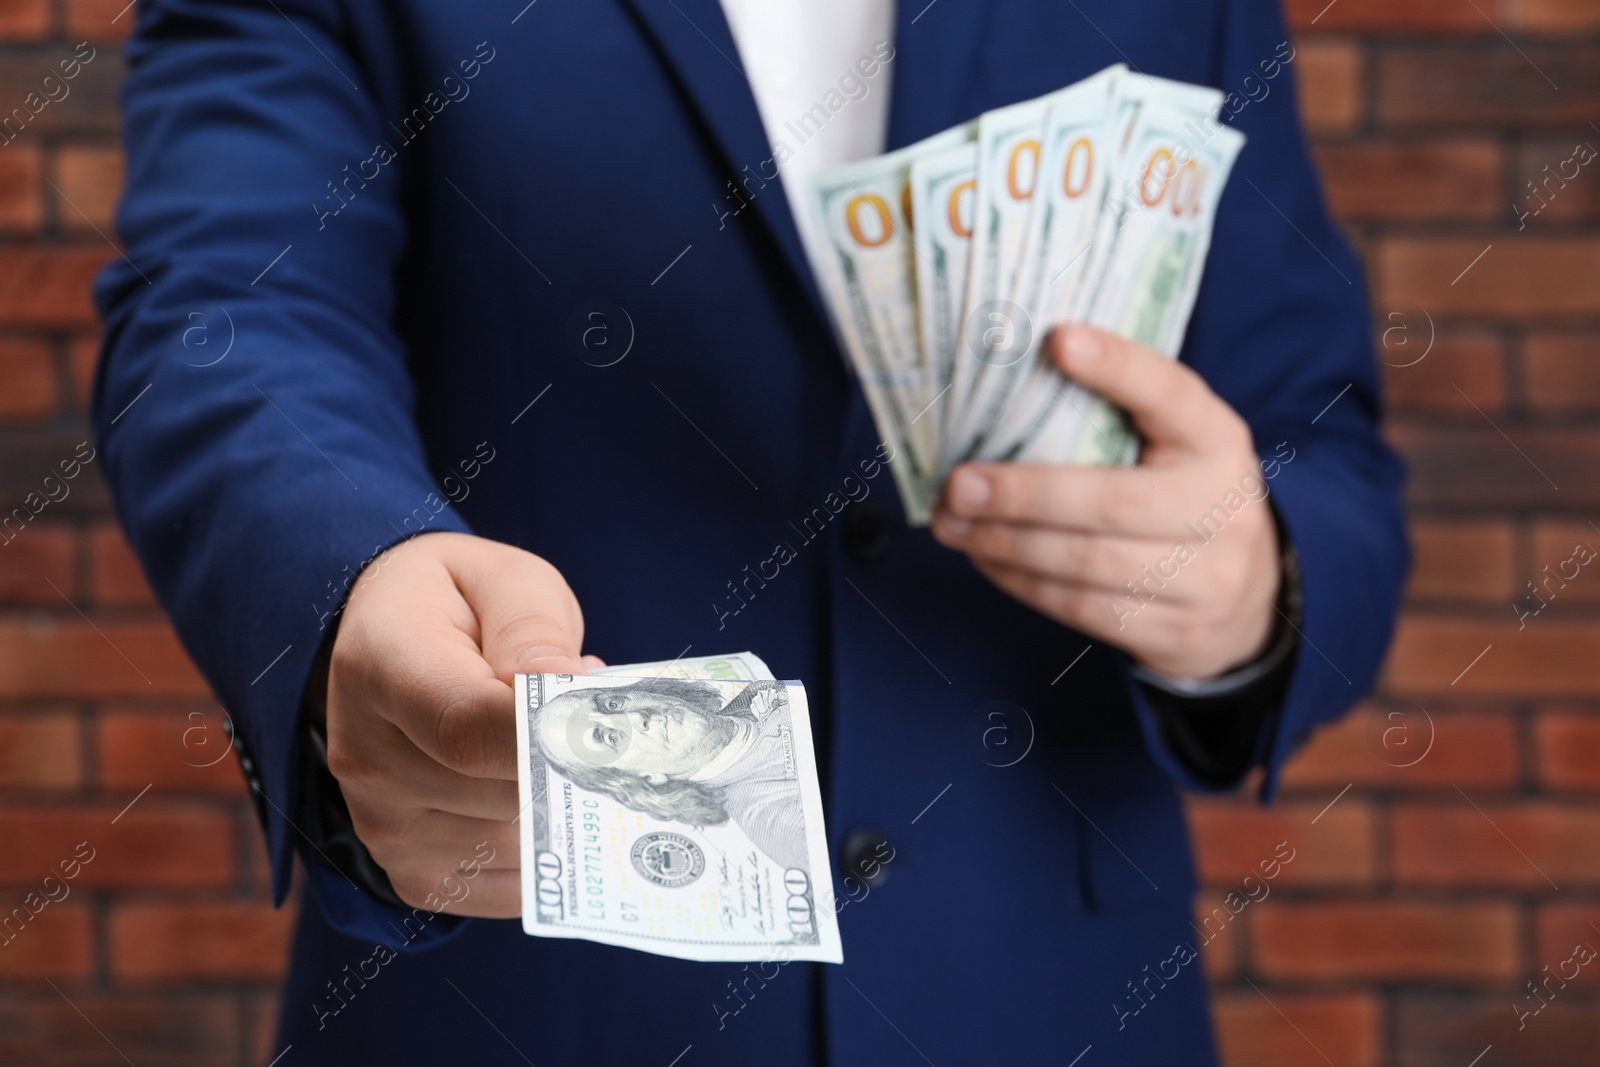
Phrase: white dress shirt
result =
(806, 61)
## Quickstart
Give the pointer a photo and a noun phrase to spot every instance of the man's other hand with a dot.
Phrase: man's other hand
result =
(1175, 561)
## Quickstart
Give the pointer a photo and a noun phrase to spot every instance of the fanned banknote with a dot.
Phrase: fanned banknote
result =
(862, 221)
(1148, 285)
(994, 329)
(947, 263)
(943, 199)
(673, 808)
(1053, 246)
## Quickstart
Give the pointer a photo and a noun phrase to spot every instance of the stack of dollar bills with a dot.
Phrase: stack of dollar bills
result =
(946, 263)
(674, 808)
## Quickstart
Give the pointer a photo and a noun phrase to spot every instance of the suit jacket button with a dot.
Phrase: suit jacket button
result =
(866, 530)
(866, 855)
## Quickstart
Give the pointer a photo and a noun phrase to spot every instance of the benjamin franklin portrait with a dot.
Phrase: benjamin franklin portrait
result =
(671, 748)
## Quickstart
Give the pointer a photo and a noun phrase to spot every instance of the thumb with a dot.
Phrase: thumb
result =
(1168, 401)
(528, 618)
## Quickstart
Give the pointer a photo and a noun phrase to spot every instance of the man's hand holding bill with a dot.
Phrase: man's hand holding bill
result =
(421, 726)
(1161, 560)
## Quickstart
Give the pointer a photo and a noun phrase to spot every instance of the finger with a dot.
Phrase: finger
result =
(1072, 605)
(1168, 401)
(1100, 561)
(530, 619)
(389, 769)
(492, 894)
(1110, 617)
(456, 839)
(410, 654)
(1116, 500)
(594, 663)
(426, 852)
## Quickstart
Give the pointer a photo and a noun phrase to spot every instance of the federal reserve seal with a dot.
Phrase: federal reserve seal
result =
(668, 859)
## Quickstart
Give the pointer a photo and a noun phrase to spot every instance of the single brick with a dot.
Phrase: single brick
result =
(1500, 84)
(1235, 838)
(152, 844)
(64, 655)
(24, 20)
(1332, 97)
(40, 750)
(184, 942)
(45, 1029)
(28, 368)
(1495, 276)
(1456, 656)
(1462, 560)
(1413, 180)
(45, 932)
(1390, 941)
(1567, 746)
(1397, 746)
(1298, 1029)
(1497, 464)
(1385, 16)
(184, 749)
(1479, 842)
(1451, 371)
(49, 286)
(36, 565)
(1451, 1031)
(88, 180)
(21, 185)
(1562, 372)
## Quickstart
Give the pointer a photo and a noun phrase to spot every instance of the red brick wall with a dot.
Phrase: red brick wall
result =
(164, 939)
(1460, 853)
(1420, 903)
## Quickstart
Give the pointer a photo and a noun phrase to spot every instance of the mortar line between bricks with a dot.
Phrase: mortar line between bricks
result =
(244, 1036)
(90, 1021)
(1513, 44)
(1503, 834)
(1291, 1022)
(132, 802)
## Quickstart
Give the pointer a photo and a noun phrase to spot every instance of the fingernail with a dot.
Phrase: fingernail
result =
(1083, 345)
(954, 526)
(969, 490)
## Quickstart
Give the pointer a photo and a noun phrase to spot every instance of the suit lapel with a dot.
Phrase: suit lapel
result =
(694, 38)
(936, 53)
(935, 58)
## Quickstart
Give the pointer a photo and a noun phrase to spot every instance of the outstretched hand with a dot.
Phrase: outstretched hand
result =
(421, 714)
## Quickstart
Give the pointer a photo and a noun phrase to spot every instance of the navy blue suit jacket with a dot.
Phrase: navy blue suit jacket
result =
(363, 236)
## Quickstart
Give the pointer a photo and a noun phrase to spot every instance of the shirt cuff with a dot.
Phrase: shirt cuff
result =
(1216, 726)
(355, 894)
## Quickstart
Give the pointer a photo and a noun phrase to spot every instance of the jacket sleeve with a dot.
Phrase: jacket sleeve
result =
(253, 400)
(1281, 332)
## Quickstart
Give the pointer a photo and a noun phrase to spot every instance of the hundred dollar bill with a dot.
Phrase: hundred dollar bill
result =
(993, 328)
(943, 189)
(861, 218)
(1187, 107)
(673, 808)
(1046, 397)
(730, 667)
(1155, 251)
(1076, 159)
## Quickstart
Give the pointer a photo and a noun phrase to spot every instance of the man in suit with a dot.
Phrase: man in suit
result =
(407, 218)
